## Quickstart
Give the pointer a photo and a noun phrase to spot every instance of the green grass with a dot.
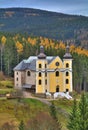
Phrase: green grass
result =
(17, 110)
(6, 84)
(7, 90)
(25, 109)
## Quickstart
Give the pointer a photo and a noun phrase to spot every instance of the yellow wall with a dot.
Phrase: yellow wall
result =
(69, 61)
(53, 80)
(40, 88)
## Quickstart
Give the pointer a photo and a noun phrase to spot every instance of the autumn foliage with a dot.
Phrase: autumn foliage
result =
(17, 47)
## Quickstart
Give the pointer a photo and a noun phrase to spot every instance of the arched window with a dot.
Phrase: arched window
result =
(40, 82)
(45, 74)
(17, 78)
(67, 65)
(28, 73)
(57, 73)
(45, 81)
(67, 73)
(67, 81)
(40, 74)
(40, 66)
(57, 88)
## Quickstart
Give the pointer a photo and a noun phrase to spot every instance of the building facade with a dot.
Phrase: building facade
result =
(43, 73)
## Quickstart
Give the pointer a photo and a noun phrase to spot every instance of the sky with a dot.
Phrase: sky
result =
(79, 7)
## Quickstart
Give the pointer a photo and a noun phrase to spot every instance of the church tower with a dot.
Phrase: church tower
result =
(41, 74)
(67, 74)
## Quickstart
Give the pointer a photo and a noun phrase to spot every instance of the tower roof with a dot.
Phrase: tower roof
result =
(67, 53)
(41, 55)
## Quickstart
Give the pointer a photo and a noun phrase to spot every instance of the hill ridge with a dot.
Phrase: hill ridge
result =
(44, 23)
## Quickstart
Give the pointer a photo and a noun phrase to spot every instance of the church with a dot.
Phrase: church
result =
(41, 74)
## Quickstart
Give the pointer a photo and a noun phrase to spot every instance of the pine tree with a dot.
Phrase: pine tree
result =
(79, 116)
(83, 108)
(53, 113)
(21, 125)
(73, 123)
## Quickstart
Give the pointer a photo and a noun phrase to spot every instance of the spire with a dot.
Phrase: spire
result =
(41, 55)
(67, 53)
(41, 49)
(67, 47)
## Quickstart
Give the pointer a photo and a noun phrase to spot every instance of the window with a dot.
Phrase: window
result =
(57, 63)
(67, 81)
(45, 74)
(67, 90)
(46, 82)
(17, 79)
(45, 66)
(57, 73)
(40, 74)
(67, 65)
(17, 73)
(40, 66)
(67, 73)
(40, 82)
(28, 73)
(57, 88)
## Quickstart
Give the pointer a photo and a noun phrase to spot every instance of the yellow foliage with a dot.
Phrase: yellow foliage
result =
(72, 48)
(32, 41)
(19, 47)
(3, 40)
(61, 45)
(56, 46)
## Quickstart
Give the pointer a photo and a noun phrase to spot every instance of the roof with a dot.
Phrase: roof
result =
(67, 56)
(27, 86)
(30, 63)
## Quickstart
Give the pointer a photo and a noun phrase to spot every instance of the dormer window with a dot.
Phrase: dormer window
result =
(28, 73)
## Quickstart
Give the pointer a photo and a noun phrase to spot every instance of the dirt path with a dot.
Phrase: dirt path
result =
(28, 95)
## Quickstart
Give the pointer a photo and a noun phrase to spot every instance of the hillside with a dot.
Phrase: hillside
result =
(44, 23)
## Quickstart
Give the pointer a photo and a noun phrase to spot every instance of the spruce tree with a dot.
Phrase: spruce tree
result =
(53, 113)
(21, 125)
(83, 109)
(73, 123)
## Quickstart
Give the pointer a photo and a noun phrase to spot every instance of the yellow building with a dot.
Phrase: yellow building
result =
(45, 73)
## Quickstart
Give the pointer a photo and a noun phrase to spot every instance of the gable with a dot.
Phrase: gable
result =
(56, 63)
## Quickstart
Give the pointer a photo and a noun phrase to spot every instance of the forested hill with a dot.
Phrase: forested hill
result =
(44, 23)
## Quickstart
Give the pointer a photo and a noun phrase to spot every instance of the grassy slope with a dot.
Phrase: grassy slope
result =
(14, 110)
(25, 109)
